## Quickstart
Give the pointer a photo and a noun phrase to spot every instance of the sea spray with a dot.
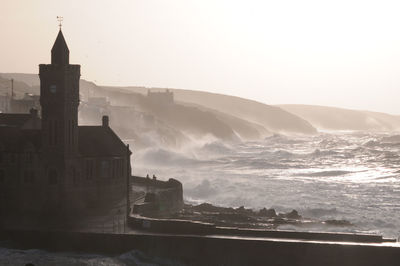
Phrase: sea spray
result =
(356, 174)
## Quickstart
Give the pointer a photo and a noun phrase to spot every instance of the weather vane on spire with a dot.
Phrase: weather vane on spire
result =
(60, 20)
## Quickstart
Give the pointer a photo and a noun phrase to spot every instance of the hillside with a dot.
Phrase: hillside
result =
(248, 119)
(333, 118)
(202, 113)
(31, 80)
(135, 117)
(20, 87)
(272, 118)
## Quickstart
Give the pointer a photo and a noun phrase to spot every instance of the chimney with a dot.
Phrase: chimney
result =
(105, 120)
(34, 112)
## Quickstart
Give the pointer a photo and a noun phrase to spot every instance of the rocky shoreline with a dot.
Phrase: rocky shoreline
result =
(244, 217)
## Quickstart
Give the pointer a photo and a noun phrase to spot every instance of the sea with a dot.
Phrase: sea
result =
(352, 176)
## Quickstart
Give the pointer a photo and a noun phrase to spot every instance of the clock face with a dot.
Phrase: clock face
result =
(53, 88)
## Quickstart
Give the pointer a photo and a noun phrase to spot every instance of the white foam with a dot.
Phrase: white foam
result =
(344, 171)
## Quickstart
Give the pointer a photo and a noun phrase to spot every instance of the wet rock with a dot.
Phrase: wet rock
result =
(338, 222)
(292, 215)
(243, 210)
(270, 213)
(207, 207)
(234, 217)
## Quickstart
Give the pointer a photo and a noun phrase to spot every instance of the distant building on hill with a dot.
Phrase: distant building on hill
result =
(160, 97)
(25, 104)
(10, 103)
(99, 102)
(51, 164)
(4, 103)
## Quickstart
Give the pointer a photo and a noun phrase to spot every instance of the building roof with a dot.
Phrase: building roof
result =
(13, 139)
(60, 51)
(100, 141)
(94, 141)
(14, 120)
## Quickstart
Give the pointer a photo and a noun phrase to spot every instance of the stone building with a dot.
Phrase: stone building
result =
(24, 104)
(12, 104)
(50, 163)
(161, 97)
(4, 103)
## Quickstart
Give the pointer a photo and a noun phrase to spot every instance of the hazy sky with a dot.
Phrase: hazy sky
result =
(338, 53)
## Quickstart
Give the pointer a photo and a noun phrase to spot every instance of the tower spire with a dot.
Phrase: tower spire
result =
(60, 51)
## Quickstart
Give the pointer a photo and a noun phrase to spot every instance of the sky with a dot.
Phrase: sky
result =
(335, 53)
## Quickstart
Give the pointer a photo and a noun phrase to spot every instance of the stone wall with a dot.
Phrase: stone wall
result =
(168, 195)
(211, 250)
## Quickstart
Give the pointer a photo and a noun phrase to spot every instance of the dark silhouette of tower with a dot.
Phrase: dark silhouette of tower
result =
(59, 98)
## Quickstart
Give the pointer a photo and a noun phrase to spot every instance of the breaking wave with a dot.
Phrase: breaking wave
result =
(320, 212)
(351, 176)
(326, 173)
(163, 157)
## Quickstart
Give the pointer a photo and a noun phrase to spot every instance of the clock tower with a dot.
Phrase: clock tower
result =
(59, 98)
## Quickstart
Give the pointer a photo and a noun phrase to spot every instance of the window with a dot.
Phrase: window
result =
(29, 177)
(114, 168)
(89, 169)
(105, 168)
(72, 132)
(13, 157)
(55, 132)
(120, 167)
(26, 177)
(69, 131)
(29, 157)
(74, 177)
(2, 178)
(50, 132)
(53, 178)
(53, 88)
(32, 176)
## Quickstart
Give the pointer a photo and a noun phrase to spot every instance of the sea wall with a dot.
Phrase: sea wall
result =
(168, 194)
(203, 250)
(176, 226)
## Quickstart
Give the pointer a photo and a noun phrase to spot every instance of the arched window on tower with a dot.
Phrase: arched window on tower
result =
(53, 176)
(69, 131)
(55, 132)
(72, 132)
(2, 177)
(105, 169)
(29, 176)
(1, 153)
(50, 132)
(74, 177)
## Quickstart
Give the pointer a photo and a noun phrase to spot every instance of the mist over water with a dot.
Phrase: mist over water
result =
(351, 176)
